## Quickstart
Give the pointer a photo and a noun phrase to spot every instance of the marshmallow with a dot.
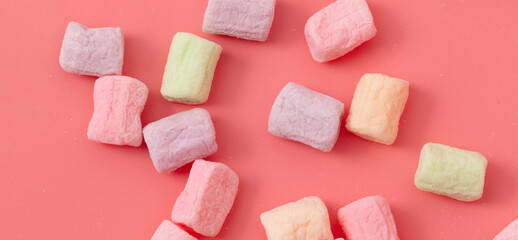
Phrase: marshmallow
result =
(180, 139)
(338, 29)
(118, 104)
(251, 19)
(189, 69)
(168, 231)
(376, 107)
(368, 219)
(452, 172)
(207, 198)
(306, 116)
(305, 219)
(509, 233)
(92, 51)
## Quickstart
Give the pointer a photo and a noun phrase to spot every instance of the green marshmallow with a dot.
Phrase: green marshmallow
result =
(449, 171)
(189, 69)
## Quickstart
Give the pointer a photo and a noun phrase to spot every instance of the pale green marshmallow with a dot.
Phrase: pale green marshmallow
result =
(449, 171)
(189, 69)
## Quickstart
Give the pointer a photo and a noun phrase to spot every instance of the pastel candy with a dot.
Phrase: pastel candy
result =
(189, 69)
(92, 51)
(306, 116)
(118, 104)
(207, 198)
(168, 231)
(376, 107)
(509, 233)
(452, 172)
(180, 139)
(369, 218)
(305, 219)
(338, 29)
(250, 19)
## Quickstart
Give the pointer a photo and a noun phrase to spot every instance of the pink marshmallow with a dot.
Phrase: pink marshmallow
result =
(306, 116)
(168, 231)
(338, 29)
(92, 51)
(368, 219)
(509, 233)
(118, 104)
(251, 19)
(180, 139)
(207, 198)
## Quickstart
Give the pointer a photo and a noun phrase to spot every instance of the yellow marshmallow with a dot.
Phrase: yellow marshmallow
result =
(189, 69)
(449, 171)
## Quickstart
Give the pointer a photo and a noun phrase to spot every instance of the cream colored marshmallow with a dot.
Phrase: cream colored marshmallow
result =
(305, 219)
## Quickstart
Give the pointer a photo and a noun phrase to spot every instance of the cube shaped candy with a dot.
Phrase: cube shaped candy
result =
(207, 198)
(376, 107)
(306, 116)
(189, 69)
(368, 219)
(118, 103)
(92, 51)
(168, 231)
(449, 171)
(250, 19)
(509, 233)
(180, 139)
(338, 29)
(305, 219)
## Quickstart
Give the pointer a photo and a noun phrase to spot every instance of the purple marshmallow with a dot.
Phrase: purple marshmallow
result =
(251, 19)
(92, 51)
(306, 116)
(180, 139)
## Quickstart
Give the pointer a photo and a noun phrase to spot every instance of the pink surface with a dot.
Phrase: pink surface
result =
(118, 103)
(459, 57)
(207, 198)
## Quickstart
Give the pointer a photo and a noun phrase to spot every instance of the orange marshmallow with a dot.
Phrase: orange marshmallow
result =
(377, 105)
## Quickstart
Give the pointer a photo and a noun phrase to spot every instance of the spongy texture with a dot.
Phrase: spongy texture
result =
(180, 139)
(168, 231)
(118, 104)
(305, 219)
(509, 233)
(306, 116)
(250, 19)
(338, 29)
(452, 172)
(92, 51)
(207, 198)
(189, 69)
(369, 218)
(376, 108)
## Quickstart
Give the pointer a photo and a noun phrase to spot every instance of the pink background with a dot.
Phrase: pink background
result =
(460, 58)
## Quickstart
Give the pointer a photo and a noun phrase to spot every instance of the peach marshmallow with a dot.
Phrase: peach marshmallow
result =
(305, 219)
(376, 107)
